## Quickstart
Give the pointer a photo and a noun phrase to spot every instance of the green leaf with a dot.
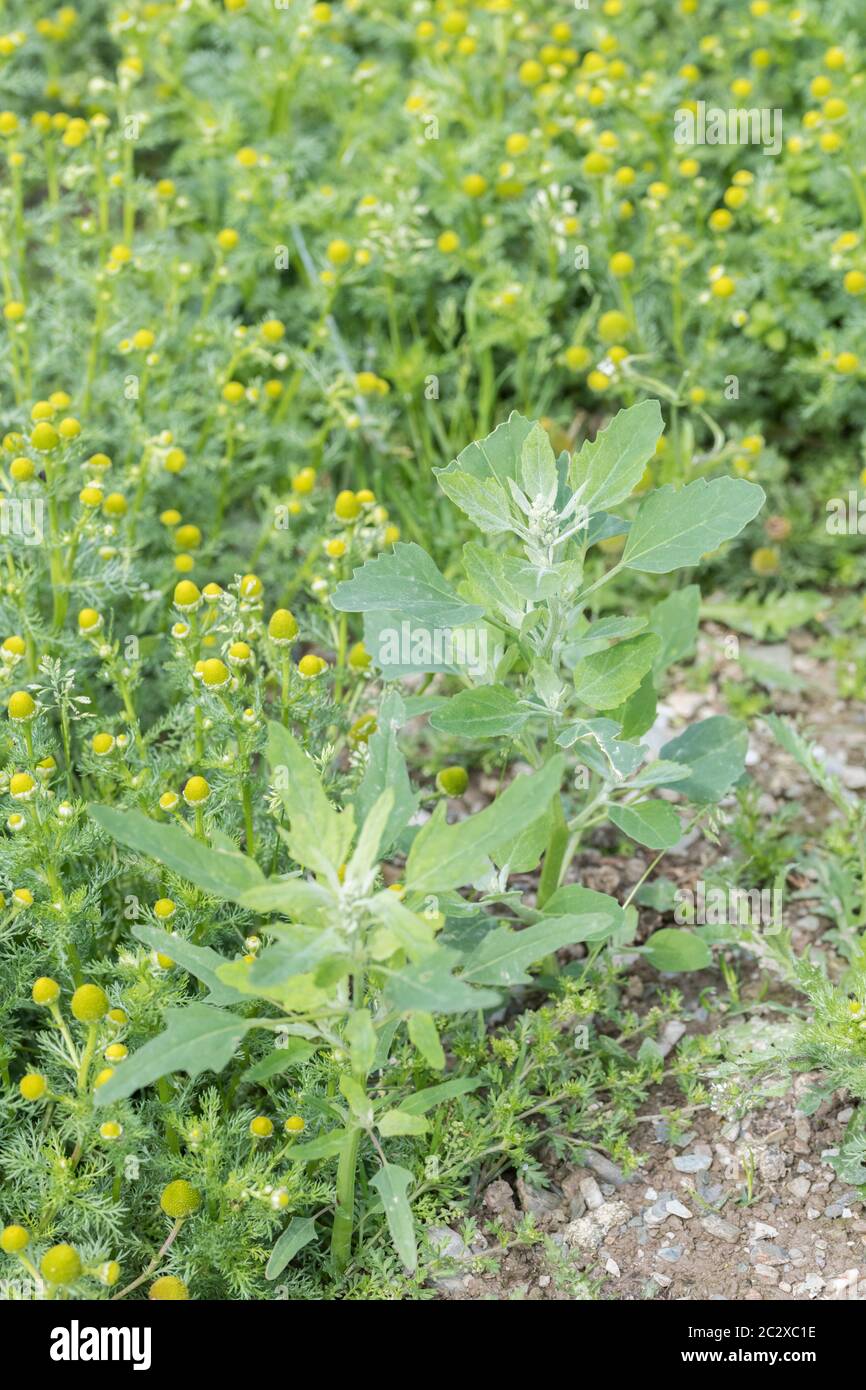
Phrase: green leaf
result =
(361, 1039)
(297, 1234)
(294, 1053)
(386, 767)
(431, 1096)
(489, 585)
(360, 1103)
(324, 1146)
(675, 951)
(574, 900)
(392, 1183)
(638, 714)
(200, 961)
(294, 897)
(676, 528)
(538, 475)
(605, 679)
(299, 950)
(484, 501)
(404, 580)
(447, 856)
(365, 857)
(714, 750)
(424, 1035)
(652, 823)
(394, 1122)
(488, 712)
(497, 456)
(601, 748)
(429, 986)
(196, 1039)
(502, 956)
(675, 620)
(613, 464)
(314, 821)
(221, 873)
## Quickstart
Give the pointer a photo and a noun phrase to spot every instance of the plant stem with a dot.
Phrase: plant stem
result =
(344, 1215)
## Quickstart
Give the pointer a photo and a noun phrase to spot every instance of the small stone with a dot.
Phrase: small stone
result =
(591, 1193)
(717, 1226)
(676, 1208)
(771, 1164)
(692, 1163)
(764, 1232)
(670, 1035)
(767, 1272)
(603, 1168)
(799, 1188)
(768, 1254)
(663, 1279)
(612, 1268)
(671, 1253)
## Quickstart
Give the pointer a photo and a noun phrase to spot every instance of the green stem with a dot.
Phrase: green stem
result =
(344, 1215)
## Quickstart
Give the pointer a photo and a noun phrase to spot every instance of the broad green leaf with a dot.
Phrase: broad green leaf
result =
(197, 1038)
(299, 950)
(324, 1146)
(424, 1035)
(606, 679)
(574, 900)
(200, 961)
(522, 853)
(660, 773)
(412, 933)
(488, 712)
(447, 856)
(429, 986)
(714, 750)
(394, 1122)
(294, 1053)
(637, 715)
(386, 767)
(503, 955)
(404, 580)
(215, 871)
(294, 897)
(431, 1096)
(597, 637)
(316, 825)
(293, 993)
(484, 501)
(601, 748)
(360, 1103)
(361, 1039)
(538, 476)
(652, 823)
(497, 456)
(401, 646)
(613, 464)
(487, 583)
(676, 528)
(675, 620)
(675, 950)
(392, 1183)
(366, 853)
(297, 1234)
